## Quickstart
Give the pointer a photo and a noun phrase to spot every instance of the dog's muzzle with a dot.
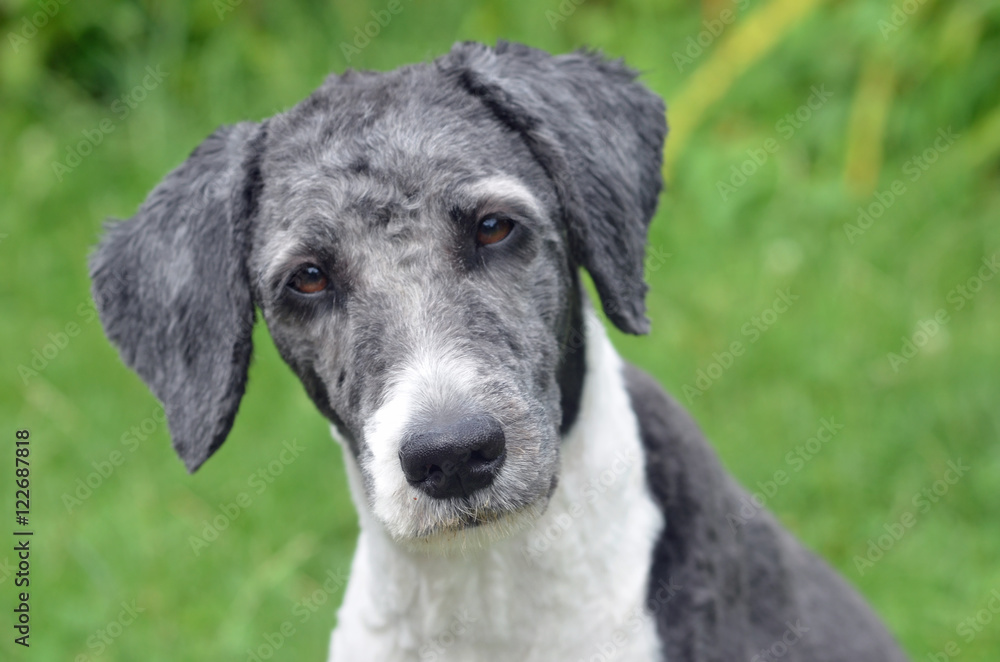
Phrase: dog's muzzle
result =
(454, 459)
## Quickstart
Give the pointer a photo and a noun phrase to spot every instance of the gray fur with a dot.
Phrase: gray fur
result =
(380, 178)
(739, 588)
(172, 290)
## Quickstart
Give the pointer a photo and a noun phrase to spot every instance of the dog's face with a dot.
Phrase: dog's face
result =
(412, 240)
(414, 274)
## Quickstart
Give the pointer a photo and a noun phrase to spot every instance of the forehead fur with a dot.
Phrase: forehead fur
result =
(381, 153)
(405, 125)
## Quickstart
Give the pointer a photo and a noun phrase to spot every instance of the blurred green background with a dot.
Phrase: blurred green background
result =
(845, 153)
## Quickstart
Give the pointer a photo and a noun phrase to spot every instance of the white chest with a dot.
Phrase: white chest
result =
(572, 587)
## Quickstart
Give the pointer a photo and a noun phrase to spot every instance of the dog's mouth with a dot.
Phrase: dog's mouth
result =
(462, 519)
(476, 527)
(470, 520)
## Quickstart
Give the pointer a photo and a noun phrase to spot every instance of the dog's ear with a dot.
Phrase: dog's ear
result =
(173, 293)
(599, 134)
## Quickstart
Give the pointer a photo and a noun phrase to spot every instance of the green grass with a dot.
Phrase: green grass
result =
(721, 262)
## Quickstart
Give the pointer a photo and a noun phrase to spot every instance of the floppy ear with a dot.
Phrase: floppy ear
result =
(599, 134)
(173, 293)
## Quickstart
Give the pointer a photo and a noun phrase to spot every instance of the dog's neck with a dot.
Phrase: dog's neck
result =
(579, 574)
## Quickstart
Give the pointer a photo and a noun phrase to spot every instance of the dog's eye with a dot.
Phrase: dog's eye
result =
(493, 229)
(309, 279)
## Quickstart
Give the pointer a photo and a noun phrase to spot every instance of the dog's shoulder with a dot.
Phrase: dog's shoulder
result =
(727, 580)
(683, 470)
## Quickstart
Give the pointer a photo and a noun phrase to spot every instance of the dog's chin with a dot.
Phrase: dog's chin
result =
(461, 531)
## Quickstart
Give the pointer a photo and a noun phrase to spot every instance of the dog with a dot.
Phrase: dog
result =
(414, 241)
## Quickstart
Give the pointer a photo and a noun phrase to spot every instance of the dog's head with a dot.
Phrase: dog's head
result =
(412, 239)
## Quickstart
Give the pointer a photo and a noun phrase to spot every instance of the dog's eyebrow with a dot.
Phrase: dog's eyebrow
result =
(310, 237)
(504, 190)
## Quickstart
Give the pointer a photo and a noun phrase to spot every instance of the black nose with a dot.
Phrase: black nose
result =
(455, 459)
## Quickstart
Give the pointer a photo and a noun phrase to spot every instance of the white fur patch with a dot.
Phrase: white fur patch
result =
(571, 587)
(430, 381)
(505, 188)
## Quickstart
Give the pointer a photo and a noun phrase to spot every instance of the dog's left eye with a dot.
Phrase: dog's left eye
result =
(309, 279)
(493, 229)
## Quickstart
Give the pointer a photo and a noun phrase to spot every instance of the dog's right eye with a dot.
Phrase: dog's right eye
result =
(309, 279)
(493, 229)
